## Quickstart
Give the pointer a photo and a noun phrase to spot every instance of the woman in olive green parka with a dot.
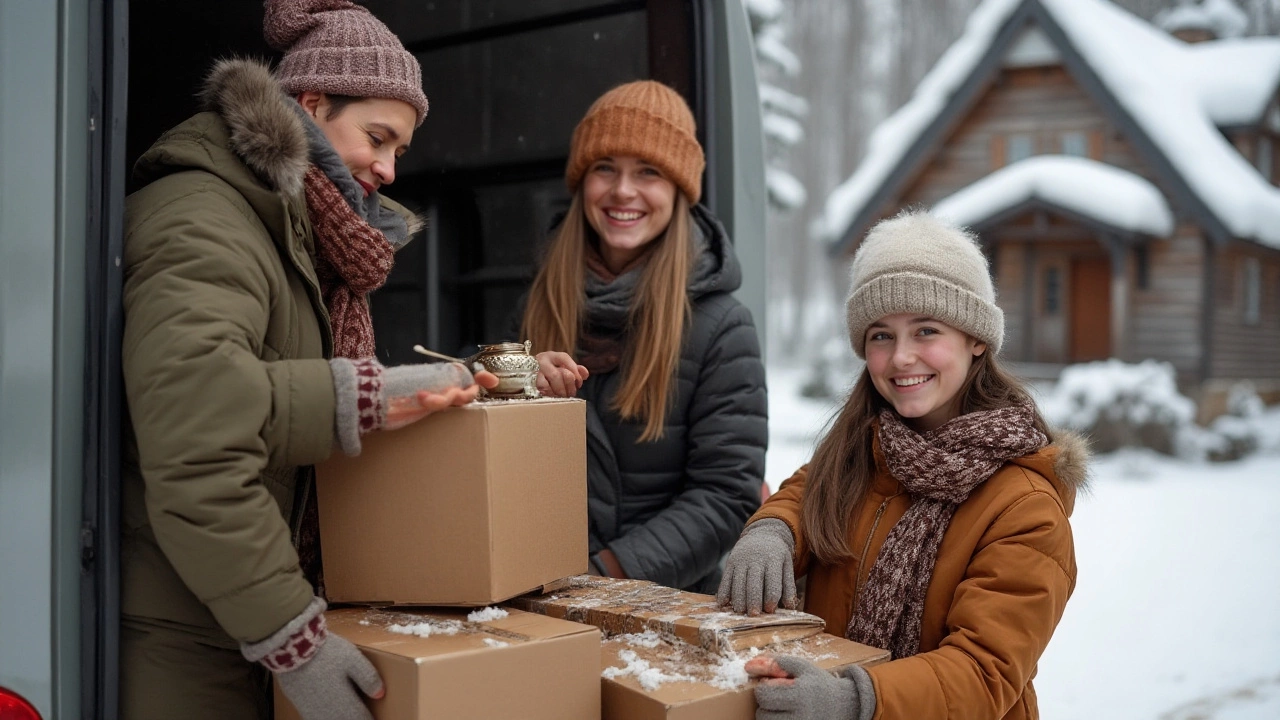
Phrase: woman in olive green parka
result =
(247, 356)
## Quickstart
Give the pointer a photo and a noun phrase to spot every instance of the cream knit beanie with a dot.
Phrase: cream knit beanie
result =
(917, 263)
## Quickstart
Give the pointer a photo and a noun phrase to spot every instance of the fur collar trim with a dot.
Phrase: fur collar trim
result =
(1071, 464)
(266, 133)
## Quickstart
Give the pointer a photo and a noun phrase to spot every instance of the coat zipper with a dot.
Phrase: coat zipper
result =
(858, 583)
(305, 479)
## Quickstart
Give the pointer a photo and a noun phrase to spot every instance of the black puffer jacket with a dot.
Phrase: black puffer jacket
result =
(669, 509)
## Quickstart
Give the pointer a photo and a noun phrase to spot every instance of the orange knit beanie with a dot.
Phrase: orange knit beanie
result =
(644, 119)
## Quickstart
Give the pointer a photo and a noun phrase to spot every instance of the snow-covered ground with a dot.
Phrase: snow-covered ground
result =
(1176, 613)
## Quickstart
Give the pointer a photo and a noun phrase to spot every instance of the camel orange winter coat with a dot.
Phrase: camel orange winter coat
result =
(1004, 572)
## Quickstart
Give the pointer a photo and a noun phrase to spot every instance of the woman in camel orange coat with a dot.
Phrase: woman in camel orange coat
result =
(933, 519)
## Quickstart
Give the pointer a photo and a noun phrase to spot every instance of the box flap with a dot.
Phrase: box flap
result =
(633, 606)
(421, 634)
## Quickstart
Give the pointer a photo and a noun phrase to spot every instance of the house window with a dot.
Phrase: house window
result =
(1141, 263)
(1252, 290)
(1017, 147)
(1265, 152)
(1075, 144)
(1052, 290)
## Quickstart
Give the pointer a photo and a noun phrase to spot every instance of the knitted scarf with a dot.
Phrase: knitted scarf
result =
(939, 469)
(353, 260)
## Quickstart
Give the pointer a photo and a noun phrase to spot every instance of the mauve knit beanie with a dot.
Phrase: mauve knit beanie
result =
(917, 263)
(340, 48)
(643, 119)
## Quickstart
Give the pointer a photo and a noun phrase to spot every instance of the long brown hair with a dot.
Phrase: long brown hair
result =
(657, 320)
(843, 465)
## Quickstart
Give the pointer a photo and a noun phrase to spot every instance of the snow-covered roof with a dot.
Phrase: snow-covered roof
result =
(1105, 193)
(1177, 93)
(1223, 17)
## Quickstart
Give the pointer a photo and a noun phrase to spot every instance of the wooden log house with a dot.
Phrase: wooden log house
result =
(1122, 180)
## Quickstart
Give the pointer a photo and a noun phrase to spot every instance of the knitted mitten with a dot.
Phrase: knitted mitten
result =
(758, 574)
(364, 390)
(318, 672)
(817, 694)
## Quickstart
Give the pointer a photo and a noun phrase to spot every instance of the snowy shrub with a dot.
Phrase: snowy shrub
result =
(1124, 405)
(1238, 432)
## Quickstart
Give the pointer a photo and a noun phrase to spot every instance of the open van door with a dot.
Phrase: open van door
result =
(62, 96)
(507, 80)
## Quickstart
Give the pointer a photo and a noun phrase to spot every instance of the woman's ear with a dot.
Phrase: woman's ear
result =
(310, 101)
(978, 348)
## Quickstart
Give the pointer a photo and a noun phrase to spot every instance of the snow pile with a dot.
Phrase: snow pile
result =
(649, 677)
(1103, 192)
(486, 614)
(427, 628)
(1223, 17)
(1247, 427)
(496, 643)
(1122, 405)
(1138, 405)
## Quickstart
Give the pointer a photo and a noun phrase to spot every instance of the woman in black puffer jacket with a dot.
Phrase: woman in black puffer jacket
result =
(632, 310)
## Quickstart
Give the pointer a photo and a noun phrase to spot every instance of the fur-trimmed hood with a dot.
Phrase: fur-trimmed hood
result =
(1065, 464)
(266, 132)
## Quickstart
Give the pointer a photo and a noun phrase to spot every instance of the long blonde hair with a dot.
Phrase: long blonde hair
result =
(843, 466)
(657, 319)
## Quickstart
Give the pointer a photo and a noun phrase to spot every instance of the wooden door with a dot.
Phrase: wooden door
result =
(1090, 309)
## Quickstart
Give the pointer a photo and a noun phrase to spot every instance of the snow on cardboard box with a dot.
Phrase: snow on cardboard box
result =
(675, 655)
(468, 507)
(489, 664)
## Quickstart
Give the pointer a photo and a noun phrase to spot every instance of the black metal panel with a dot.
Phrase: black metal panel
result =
(100, 531)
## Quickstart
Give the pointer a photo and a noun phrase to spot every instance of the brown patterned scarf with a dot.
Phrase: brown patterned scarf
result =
(939, 469)
(354, 259)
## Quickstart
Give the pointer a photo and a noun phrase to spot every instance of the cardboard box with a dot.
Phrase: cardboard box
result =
(468, 507)
(683, 682)
(634, 606)
(519, 666)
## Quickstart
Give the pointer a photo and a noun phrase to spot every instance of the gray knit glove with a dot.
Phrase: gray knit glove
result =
(759, 573)
(363, 389)
(816, 694)
(317, 671)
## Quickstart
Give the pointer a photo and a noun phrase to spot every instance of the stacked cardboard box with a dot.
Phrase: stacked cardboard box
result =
(483, 665)
(477, 505)
(467, 507)
(671, 655)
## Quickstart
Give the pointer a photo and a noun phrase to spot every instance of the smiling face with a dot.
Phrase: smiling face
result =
(919, 365)
(629, 203)
(369, 134)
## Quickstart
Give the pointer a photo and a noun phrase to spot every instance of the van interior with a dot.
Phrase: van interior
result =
(507, 81)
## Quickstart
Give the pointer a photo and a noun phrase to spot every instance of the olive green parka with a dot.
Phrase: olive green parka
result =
(225, 349)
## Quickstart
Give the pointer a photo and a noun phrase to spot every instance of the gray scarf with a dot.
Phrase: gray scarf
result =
(370, 209)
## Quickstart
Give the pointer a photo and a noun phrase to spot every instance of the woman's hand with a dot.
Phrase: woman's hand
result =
(758, 574)
(793, 688)
(559, 375)
(408, 409)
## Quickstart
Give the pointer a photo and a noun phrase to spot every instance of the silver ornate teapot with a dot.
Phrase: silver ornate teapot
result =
(515, 366)
(512, 362)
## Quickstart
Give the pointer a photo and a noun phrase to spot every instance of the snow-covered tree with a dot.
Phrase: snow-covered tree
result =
(782, 111)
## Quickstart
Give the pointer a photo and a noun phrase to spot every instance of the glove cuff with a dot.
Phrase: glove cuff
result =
(292, 645)
(359, 406)
(865, 707)
(775, 527)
